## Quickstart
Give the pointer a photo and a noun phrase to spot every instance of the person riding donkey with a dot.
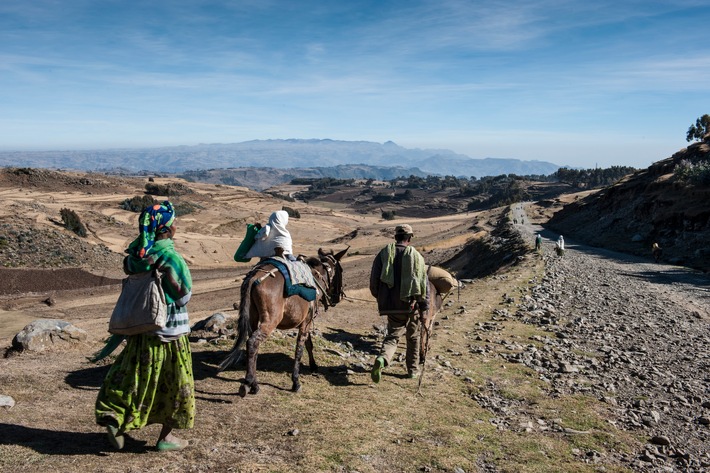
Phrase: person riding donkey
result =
(273, 239)
(398, 281)
(272, 244)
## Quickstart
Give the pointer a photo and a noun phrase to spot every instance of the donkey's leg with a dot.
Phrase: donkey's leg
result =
(309, 347)
(297, 360)
(252, 351)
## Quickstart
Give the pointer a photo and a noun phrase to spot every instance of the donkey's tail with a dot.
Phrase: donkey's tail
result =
(244, 326)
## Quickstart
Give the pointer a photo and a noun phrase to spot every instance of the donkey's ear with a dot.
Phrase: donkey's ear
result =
(340, 254)
(320, 252)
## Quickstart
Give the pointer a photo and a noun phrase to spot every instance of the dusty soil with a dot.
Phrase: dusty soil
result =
(530, 368)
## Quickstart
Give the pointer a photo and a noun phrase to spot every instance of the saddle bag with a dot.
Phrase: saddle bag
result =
(141, 307)
(442, 280)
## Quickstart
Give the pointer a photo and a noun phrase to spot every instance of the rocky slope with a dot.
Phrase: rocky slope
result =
(634, 334)
(653, 205)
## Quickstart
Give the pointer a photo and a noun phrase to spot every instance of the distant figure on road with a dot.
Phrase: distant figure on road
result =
(560, 246)
(657, 252)
(538, 243)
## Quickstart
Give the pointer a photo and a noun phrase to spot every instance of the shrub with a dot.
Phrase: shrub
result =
(382, 198)
(184, 208)
(73, 222)
(388, 214)
(137, 203)
(292, 213)
(173, 188)
(697, 174)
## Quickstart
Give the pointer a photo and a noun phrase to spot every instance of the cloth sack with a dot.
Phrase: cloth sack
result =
(442, 280)
(141, 306)
(247, 243)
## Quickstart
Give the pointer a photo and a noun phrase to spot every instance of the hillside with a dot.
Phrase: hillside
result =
(652, 205)
(260, 178)
(428, 197)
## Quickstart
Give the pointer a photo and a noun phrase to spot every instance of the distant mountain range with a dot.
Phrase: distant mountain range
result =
(281, 154)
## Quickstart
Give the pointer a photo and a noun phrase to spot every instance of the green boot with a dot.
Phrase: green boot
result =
(376, 373)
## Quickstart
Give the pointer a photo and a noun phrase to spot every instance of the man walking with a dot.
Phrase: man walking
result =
(399, 283)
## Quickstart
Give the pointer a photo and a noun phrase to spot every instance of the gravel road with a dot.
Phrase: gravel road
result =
(635, 335)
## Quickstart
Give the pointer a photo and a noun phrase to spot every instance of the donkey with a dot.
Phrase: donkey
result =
(264, 307)
(427, 321)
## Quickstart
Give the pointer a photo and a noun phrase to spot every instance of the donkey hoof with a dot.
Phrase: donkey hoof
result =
(254, 389)
(314, 369)
(296, 387)
(243, 390)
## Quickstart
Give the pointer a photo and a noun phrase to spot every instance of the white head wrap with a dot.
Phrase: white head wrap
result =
(272, 235)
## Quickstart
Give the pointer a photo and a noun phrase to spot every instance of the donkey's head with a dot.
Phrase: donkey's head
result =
(330, 272)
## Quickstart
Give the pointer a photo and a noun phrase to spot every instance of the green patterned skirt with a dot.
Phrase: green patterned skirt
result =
(151, 382)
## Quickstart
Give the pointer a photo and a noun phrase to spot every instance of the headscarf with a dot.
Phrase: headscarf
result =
(272, 235)
(153, 220)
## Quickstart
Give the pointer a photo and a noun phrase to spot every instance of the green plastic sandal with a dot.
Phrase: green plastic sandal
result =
(178, 444)
(376, 373)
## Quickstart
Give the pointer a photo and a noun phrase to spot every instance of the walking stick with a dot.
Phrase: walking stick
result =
(427, 331)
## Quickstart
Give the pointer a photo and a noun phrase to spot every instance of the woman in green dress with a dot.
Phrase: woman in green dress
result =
(151, 381)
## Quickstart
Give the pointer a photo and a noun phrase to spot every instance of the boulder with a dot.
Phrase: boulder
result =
(6, 401)
(213, 326)
(44, 333)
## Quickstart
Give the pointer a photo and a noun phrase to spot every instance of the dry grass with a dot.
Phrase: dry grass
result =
(344, 422)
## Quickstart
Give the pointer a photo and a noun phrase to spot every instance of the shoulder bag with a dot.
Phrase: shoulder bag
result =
(141, 307)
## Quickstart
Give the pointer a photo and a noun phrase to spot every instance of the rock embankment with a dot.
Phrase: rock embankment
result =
(635, 335)
(655, 205)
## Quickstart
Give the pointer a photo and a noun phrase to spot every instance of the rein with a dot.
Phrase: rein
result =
(361, 300)
(323, 291)
(332, 280)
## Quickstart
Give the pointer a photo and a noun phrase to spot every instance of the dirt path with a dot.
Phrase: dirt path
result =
(635, 334)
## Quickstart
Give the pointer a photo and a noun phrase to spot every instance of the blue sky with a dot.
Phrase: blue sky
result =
(580, 83)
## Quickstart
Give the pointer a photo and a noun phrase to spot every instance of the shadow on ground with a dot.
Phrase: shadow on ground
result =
(60, 442)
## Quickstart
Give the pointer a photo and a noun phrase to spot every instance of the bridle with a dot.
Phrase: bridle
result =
(330, 283)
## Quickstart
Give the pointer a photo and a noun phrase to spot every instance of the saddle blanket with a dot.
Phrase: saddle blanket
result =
(297, 276)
